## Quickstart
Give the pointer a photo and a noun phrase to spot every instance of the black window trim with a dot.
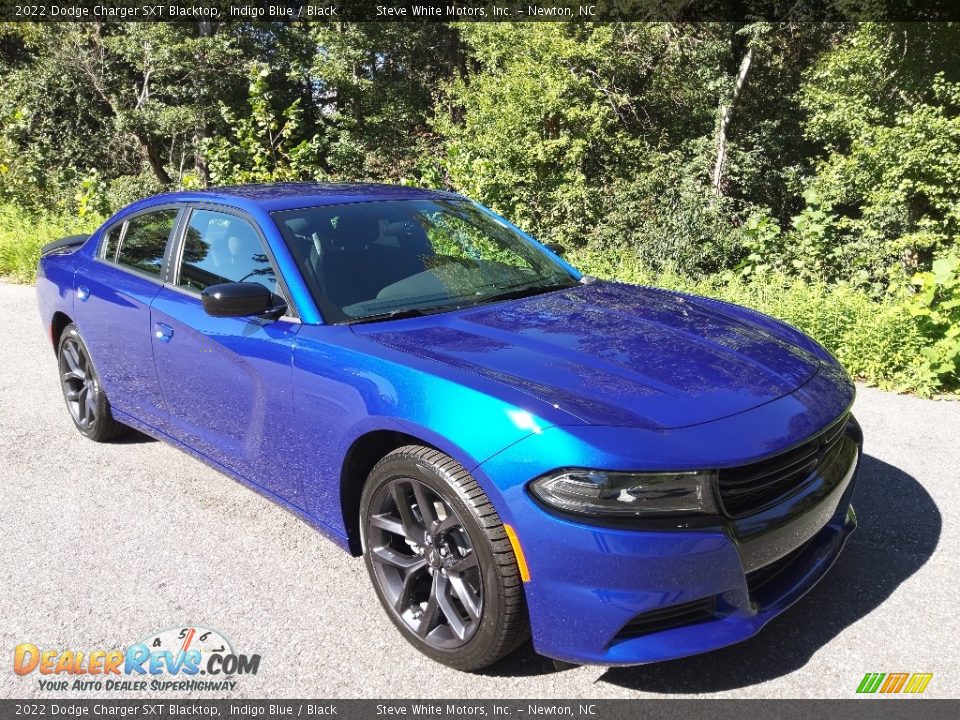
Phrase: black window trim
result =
(102, 250)
(124, 223)
(175, 253)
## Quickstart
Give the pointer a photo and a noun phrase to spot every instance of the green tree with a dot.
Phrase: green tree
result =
(374, 87)
(883, 107)
(266, 143)
(128, 100)
(542, 123)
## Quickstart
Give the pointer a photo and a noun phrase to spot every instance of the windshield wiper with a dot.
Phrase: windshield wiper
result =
(401, 313)
(526, 291)
(510, 294)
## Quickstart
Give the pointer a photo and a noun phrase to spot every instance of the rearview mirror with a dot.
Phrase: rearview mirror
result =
(239, 299)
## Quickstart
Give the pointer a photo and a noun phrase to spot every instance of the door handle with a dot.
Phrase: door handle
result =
(83, 292)
(162, 332)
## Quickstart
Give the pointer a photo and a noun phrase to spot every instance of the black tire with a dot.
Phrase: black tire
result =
(462, 574)
(82, 392)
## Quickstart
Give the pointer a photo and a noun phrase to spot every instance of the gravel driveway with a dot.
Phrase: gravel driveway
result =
(103, 544)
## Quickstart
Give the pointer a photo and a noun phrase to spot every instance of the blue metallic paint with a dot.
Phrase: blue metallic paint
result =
(227, 385)
(614, 354)
(601, 375)
(119, 300)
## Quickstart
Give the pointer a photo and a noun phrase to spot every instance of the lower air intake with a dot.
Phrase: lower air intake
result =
(668, 618)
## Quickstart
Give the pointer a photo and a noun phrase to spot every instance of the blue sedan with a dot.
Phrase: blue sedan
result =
(623, 473)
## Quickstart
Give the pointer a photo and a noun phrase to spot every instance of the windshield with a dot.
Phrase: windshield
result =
(406, 257)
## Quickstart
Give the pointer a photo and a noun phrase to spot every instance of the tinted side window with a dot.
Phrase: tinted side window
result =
(146, 239)
(223, 248)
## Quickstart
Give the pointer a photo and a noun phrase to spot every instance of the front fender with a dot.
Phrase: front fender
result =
(345, 387)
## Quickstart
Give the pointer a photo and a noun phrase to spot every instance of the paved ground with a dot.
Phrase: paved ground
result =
(102, 544)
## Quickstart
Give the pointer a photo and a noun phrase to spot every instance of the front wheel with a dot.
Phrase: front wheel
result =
(440, 560)
(85, 398)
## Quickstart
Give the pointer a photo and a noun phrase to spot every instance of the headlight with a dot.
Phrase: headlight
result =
(596, 492)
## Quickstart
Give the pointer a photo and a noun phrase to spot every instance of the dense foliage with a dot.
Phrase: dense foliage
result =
(809, 170)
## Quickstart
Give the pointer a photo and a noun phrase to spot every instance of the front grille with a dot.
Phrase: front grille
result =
(750, 488)
(669, 617)
(766, 574)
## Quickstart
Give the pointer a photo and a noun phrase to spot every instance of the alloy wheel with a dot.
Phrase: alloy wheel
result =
(80, 387)
(425, 563)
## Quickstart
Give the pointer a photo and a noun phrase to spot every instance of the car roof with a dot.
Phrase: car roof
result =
(288, 196)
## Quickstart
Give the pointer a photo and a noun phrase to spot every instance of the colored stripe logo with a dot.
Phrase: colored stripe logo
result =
(904, 683)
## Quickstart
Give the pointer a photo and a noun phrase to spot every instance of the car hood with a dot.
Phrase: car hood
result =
(613, 354)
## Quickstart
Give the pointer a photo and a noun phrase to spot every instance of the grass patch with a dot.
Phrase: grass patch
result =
(22, 235)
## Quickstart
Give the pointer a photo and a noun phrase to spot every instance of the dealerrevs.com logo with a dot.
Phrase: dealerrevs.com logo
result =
(178, 659)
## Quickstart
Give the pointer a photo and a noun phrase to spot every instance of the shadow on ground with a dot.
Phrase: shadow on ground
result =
(523, 663)
(899, 530)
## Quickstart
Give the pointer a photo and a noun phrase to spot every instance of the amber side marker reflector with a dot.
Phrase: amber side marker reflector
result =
(518, 552)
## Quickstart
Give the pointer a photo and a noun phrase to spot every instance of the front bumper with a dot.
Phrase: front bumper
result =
(615, 596)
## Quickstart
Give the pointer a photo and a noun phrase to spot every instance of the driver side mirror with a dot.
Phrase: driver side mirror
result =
(556, 248)
(239, 299)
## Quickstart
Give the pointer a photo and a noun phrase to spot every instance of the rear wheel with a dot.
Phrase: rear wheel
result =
(440, 560)
(85, 398)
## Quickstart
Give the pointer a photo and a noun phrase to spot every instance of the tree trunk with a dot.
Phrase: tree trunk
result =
(205, 29)
(726, 114)
(199, 159)
(153, 159)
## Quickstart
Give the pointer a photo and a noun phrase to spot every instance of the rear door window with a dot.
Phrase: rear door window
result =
(220, 248)
(145, 241)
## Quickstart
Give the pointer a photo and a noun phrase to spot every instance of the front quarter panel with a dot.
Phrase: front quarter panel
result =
(346, 386)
